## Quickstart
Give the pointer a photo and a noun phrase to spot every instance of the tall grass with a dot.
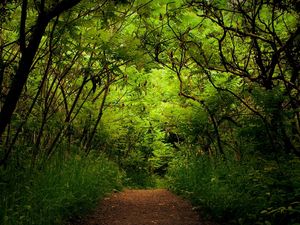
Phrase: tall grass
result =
(63, 188)
(246, 192)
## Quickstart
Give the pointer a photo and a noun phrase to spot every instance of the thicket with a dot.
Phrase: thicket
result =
(204, 92)
(251, 191)
(54, 80)
(64, 189)
(236, 64)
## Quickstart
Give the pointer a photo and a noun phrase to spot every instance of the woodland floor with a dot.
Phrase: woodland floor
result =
(143, 207)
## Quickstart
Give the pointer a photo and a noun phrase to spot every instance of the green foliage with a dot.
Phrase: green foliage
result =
(138, 119)
(63, 189)
(194, 86)
(240, 192)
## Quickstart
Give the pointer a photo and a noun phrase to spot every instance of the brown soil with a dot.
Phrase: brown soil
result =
(143, 207)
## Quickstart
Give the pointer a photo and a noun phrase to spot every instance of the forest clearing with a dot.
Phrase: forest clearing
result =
(194, 98)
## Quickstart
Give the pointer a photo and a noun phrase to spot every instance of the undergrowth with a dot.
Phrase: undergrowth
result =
(63, 188)
(257, 191)
(139, 179)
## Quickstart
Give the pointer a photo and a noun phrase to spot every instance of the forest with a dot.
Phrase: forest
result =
(201, 97)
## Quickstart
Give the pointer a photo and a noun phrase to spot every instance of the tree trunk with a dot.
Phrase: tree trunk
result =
(28, 54)
(88, 145)
(21, 75)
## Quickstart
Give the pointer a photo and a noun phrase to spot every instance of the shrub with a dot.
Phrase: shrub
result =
(253, 191)
(63, 188)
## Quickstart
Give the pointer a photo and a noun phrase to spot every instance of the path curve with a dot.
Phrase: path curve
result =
(143, 207)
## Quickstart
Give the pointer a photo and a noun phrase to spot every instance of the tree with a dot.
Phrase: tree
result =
(65, 57)
(28, 47)
(246, 41)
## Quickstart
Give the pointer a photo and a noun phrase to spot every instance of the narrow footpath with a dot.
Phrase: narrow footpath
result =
(143, 207)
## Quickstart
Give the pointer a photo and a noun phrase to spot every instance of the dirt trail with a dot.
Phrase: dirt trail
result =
(143, 207)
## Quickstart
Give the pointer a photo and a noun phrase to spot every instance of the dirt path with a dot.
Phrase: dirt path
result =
(143, 207)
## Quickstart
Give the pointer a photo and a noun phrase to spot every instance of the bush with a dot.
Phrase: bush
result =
(240, 192)
(60, 190)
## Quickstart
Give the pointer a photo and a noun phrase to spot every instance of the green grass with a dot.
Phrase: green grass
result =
(247, 192)
(63, 189)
